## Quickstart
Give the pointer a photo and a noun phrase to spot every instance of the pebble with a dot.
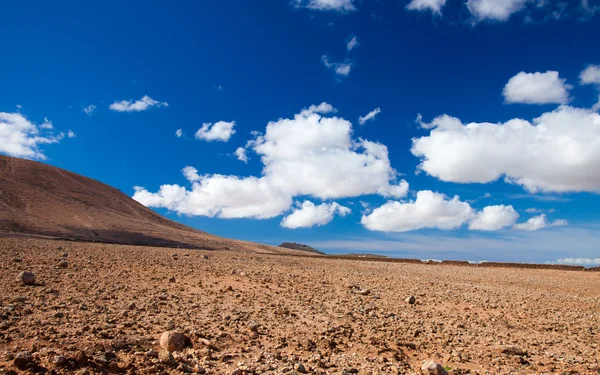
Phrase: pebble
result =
(432, 368)
(172, 341)
(410, 300)
(26, 278)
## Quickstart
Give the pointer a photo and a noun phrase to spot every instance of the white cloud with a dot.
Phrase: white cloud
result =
(308, 215)
(19, 106)
(179, 133)
(590, 75)
(539, 222)
(220, 131)
(352, 43)
(71, 134)
(323, 108)
(557, 152)
(137, 106)
(369, 116)
(47, 124)
(220, 196)
(596, 107)
(537, 88)
(89, 110)
(307, 155)
(343, 6)
(21, 138)
(341, 69)
(315, 155)
(493, 218)
(434, 6)
(533, 210)
(241, 155)
(579, 261)
(496, 10)
(429, 210)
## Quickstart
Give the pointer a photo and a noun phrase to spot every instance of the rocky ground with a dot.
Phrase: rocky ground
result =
(97, 308)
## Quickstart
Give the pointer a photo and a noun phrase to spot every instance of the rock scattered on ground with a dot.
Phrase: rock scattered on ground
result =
(263, 314)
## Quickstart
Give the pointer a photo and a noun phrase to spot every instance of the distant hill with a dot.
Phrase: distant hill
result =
(301, 247)
(41, 200)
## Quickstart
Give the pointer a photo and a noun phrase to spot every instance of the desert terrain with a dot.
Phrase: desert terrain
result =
(101, 309)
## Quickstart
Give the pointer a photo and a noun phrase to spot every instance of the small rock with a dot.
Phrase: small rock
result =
(172, 341)
(63, 264)
(300, 368)
(59, 360)
(363, 292)
(152, 353)
(26, 278)
(81, 358)
(172, 279)
(167, 358)
(510, 350)
(432, 368)
(22, 360)
(184, 367)
(410, 300)
(254, 326)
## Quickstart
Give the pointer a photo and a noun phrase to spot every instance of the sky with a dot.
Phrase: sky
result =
(432, 129)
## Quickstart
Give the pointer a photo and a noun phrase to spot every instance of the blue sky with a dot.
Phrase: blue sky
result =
(102, 88)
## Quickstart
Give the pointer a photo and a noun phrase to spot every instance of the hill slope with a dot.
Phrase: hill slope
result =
(38, 199)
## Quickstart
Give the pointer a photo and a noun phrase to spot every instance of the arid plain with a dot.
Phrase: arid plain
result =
(104, 311)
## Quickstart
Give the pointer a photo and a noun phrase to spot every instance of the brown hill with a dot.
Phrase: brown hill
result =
(40, 200)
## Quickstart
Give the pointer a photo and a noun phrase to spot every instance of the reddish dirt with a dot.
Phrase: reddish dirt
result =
(38, 199)
(248, 313)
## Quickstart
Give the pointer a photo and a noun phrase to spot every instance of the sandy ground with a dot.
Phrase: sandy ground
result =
(272, 314)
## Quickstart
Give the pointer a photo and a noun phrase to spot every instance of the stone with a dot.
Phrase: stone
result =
(410, 300)
(26, 278)
(300, 368)
(172, 341)
(167, 358)
(63, 264)
(184, 367)
(81, 358)
(59, 360)
(23, 360)
(432, 368)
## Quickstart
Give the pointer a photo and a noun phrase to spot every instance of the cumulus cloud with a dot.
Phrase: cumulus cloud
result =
(369, 116)
(429, 210)
(219, 131)
(71, 134)
(434, 6)
(435, 210)
(307, 215)
(241, 155)
(537, 88)
(495, 10)
(341, 69)
(179, 133)
(139, 105)
(307, 155)
(557, 152)
(343, 6)
(352, 43)
(219, 196)
(539, 222)
(89, 110)
(493, 218)
(579, 261)
(21, 138)
(590, 75)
